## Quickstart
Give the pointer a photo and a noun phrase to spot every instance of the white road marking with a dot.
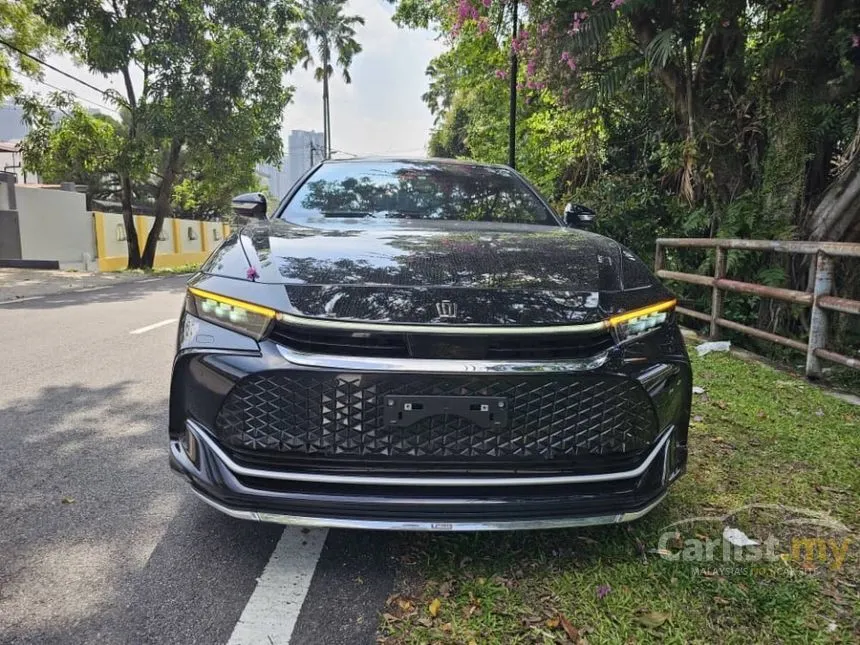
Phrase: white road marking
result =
(272, 610)
(93, 289)
(149, 280)
(10, 302)
(143, 330)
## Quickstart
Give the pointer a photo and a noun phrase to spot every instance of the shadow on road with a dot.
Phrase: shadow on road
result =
(121, 292)
(100, 541)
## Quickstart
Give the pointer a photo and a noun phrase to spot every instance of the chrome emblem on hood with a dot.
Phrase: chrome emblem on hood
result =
(446, 309)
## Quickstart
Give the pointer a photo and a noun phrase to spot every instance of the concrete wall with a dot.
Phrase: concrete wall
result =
(54, 225)
(182, 241)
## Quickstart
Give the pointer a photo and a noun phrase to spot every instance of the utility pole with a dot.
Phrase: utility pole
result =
(512, 112)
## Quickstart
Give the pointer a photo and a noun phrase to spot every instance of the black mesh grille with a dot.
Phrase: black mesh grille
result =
(325, 415)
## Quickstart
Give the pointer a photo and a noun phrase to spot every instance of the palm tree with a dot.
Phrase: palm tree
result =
(326, 29)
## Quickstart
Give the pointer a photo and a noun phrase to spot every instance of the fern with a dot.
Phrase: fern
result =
(660, 49)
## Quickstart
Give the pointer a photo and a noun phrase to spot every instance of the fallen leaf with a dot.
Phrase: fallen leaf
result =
(68, 500)
(426, 622)
(434, 607)
(571, 631)
(721, 601)
(552, 623)
(391, 618)
(445, 589)
(653, 619)
(447, 627)
(404, 604)
(698, 390)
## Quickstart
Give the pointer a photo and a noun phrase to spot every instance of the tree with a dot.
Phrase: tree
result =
(81, 147)
(325, 27)
(25, 32)
(212, 85)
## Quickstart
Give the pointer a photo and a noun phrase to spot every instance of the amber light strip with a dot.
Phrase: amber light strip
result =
(636, 313)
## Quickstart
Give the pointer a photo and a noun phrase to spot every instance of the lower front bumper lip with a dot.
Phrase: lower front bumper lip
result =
(437, 526)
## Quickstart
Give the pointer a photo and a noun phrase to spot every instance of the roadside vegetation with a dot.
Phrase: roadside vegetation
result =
(759, 437)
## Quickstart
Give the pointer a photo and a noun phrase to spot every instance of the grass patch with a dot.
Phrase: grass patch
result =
(182, 268)
(759, 436)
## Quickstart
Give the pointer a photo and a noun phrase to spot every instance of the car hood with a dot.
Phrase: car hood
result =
(496, 275)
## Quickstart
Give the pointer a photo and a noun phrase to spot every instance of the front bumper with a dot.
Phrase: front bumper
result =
(400, 492)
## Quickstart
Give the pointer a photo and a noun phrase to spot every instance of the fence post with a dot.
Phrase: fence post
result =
(659, 261)
(717, 294)
(818, 317)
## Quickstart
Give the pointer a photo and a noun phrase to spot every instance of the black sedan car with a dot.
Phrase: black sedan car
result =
(424, 344)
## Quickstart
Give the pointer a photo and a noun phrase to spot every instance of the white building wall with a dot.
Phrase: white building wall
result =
(54, 225)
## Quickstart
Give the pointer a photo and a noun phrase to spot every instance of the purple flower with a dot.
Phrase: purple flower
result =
(252, 274)
(487, 3)
(617, 3)
(501, 73)
(855, 40)
(603, 591)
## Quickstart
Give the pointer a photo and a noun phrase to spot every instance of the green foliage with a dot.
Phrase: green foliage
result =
(81, 147)
(21, 27)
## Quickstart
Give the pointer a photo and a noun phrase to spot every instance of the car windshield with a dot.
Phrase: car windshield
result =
(415, 191)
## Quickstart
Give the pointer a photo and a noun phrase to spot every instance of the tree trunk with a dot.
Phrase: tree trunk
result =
(128, 222)
(327, 118)
(836, 216)
(162, 202)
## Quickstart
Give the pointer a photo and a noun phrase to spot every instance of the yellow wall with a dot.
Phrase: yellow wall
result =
(182, 241)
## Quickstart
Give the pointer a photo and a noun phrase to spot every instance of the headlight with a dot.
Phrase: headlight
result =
(243, 317)
(639, 321)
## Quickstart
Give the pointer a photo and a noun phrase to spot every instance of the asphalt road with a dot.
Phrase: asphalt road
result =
(101, 542)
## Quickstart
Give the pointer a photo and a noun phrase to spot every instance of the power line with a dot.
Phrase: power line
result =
(59, 89)
(49, 66)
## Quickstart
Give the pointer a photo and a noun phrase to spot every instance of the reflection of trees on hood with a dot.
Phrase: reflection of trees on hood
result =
(539, 261)
(393, 304)
(429, 192)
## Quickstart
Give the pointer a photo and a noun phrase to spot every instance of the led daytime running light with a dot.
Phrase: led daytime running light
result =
(247, 306)
(614, 321)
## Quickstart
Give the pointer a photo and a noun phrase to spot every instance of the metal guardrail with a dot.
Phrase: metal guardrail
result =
(818, 298)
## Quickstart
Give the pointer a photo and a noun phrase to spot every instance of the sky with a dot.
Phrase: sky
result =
(379, 113)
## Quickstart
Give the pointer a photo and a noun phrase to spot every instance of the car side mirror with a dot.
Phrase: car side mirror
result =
(579, 216)
(250, 205)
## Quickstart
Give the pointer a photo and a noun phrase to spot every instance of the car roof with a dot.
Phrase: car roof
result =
(436, 161)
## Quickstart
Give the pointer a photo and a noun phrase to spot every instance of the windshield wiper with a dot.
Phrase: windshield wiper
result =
(347, 214)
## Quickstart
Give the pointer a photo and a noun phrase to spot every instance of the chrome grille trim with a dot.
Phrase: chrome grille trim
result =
(440, 365)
